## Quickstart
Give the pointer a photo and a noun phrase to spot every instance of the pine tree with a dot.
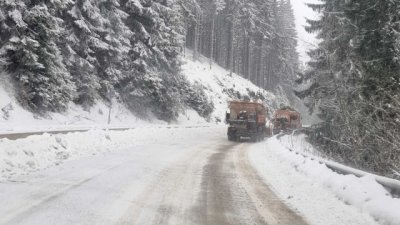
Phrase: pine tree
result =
(286, 56)
(34, 61)
(354, 73)
(375, 47)
(83, 50)
(79, 55)
(155, 64)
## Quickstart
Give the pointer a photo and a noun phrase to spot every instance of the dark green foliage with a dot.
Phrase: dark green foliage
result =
(88, 50)
(33, 59)
(152, 82)
(196, 98)
(355, 82)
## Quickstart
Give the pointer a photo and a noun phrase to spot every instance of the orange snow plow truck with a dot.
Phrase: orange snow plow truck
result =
(286, 119)
(247, 121)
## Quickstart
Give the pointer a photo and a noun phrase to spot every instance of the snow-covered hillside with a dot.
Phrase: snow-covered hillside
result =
(219, 88)
(14, 118)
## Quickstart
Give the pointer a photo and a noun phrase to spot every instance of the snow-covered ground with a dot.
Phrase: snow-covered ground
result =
(313, 189)
(298, 143)
(222, 87)
(110, 174)
(150, 174)
(38, 152)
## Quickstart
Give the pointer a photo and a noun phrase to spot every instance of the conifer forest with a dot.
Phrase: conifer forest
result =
(353, 82)
(57, 52)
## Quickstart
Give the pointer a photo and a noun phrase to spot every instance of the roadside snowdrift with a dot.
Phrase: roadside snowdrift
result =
(42, 151)
(38, 152)
(364, 193)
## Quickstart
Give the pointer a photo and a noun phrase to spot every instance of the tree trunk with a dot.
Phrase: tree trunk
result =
(212, 40)
(259, 62)
(200, 36)
(195, 41)
(248, 54)
(230, 48)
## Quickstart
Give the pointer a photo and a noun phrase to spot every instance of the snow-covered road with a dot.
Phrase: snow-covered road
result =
(178, 176)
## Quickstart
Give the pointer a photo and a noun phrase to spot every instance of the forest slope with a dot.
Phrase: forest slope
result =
(215, 85)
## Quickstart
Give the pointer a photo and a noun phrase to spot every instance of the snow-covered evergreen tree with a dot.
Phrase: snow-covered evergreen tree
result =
(86, 50)
(79, 55)
(154, 73)
(354, 76)
(33, 59)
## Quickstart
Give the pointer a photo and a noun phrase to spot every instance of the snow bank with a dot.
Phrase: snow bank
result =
(23, 156)
(222, 87)
(190, 117)
(299, 144)
(363, 193)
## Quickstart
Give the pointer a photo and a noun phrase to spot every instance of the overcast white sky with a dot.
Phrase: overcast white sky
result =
(306, 40)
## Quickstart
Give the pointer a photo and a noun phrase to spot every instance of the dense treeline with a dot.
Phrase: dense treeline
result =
(62, 51)
(253, 38)
(56, 52)
(354, 82)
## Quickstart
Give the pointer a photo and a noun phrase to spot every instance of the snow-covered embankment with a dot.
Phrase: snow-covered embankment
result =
(221, 86)
(313, 188)
(37, 152)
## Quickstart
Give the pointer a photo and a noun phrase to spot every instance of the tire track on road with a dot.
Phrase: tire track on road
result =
(273, 209)
(214, 185)
(168, 198)
(222, 199)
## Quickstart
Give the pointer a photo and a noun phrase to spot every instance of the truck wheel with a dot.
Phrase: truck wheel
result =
(231, 138)
(254, 137)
